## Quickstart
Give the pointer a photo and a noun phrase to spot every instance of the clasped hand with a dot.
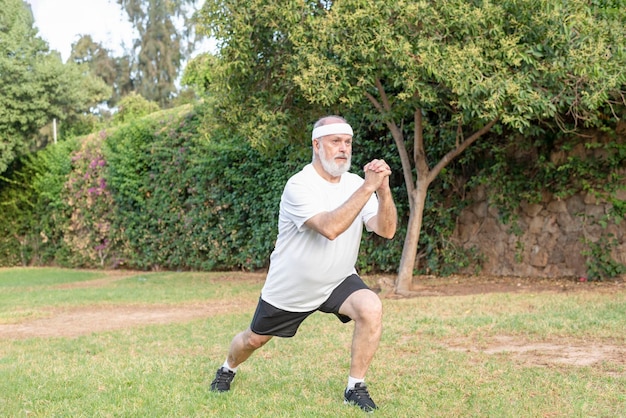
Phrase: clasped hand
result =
(377, 174)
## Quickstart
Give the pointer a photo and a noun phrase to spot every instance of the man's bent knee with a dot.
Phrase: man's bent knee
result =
(363, 305)
(256, 341)
(371, 310)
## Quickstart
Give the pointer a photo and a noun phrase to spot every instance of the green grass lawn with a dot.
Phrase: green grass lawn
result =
(434, 359)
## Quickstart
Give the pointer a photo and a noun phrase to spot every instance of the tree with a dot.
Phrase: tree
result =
(35, 86)
(115, 71)
(438, 75)
(251, 78)
(133, 106)
(161, 47)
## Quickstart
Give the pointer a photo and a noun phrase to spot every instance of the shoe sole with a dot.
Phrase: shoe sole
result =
(351, 403)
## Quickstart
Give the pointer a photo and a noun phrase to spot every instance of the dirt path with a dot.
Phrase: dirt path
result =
(74, 322)
(579, 353)
(85, 320)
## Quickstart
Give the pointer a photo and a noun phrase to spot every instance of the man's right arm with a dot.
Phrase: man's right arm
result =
(333, 223)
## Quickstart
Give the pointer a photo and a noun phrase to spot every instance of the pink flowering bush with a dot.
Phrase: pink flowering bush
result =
(89, 236)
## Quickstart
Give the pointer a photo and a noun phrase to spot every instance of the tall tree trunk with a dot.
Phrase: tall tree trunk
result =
(409, 251)
(416, 191)
(417, 199)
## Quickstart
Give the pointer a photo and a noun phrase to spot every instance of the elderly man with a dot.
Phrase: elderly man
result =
(322, 212)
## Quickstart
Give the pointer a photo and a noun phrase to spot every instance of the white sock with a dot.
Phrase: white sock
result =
(352, 381)
(232, 369)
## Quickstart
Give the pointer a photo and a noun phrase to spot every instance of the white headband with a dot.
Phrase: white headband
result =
(332, 129)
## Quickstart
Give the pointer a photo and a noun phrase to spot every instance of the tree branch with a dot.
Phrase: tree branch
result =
(374, 102)
(459, 149)
(398, 138)
(383, 95)
(419, 155)
(397, 135)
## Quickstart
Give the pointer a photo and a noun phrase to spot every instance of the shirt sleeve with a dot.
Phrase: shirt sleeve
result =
(300, 203)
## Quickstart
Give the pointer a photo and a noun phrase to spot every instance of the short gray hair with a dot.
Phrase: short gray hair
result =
(325, 120)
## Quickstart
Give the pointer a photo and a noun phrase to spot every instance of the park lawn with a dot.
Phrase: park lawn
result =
(439, 356)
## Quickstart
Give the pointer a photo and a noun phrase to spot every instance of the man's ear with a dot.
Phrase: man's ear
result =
(316, 144)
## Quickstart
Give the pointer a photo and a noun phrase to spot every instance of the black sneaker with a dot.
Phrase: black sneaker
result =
(360, 396)
(222, 380)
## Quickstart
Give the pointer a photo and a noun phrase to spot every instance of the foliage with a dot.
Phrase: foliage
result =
(35, 86)
(115, 71)
(186, 203)
(16, 241)
(161, 47)
(161, 192)
(600, 255)
(89, 236)
(473, 61)
(51, 215)
(197, 74)
(34, 211)
(599, 258)
(153, 194)
(133, 106)
(251, 78)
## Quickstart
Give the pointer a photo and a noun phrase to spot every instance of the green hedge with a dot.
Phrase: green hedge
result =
(34, 211)
(157, 193)
(161, 193)
(184, 202)
(153, 194)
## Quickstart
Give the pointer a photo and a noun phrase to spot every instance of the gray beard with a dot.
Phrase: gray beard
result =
(331, 167)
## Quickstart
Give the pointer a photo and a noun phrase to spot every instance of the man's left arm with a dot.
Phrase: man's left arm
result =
(385, 221)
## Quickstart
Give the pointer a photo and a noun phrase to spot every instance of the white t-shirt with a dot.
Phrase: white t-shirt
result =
(305, 266)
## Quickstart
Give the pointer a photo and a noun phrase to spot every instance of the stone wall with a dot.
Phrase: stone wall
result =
(546, 239)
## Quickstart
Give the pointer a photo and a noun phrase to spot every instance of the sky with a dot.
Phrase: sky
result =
(63, 22)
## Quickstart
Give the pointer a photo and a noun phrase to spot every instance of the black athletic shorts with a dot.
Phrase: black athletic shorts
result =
(270, 320)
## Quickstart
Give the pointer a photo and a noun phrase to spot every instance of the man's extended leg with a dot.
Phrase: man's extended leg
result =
(241, 348)
(243, 345)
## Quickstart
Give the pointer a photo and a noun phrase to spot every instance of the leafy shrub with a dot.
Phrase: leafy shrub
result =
(133, 106)
(185, 202)
(154, 194)
(599, 258)
(52, 211)
(165, 192)
(88, 235)
(34, 212)
(16, 205)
